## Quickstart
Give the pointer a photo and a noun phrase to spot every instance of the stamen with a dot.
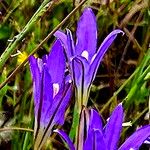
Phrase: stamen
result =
(55, 89)
(85, 54)
(70, 81)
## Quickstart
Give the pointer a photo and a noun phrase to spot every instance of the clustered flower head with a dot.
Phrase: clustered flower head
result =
(52, 91)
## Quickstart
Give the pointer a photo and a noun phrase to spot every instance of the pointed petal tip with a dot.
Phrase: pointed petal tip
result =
(119, 108)
(66, 138)
(56, 66)
(137, 138)
(93, 111)
(117, 31)
(86, 33)
(88, 10)
(96, 120)
(68, 30)
(62, 38)
(120, 105)
(31, 58)
(58, 32)
(113, 127)
(57, 43)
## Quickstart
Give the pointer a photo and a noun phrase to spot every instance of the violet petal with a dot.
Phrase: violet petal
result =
(113, 128)
(36, 76)
(136, 139)
(62, 105)
(57, 111)
(101, 52)
(95, 140)
(62, 36)
(56, 66)
(47, 96)
(78, 71)
(99, 140)
(86, 33)
(89, 141)
(95, 120)
(70, 43)
(67, 42)
(65, 137)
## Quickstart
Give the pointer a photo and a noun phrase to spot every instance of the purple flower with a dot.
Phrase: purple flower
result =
(51, 92)
(92, 135)
(83, 57)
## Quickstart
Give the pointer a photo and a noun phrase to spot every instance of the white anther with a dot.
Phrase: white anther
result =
(70, 81)
(85, 54)
(55, 89)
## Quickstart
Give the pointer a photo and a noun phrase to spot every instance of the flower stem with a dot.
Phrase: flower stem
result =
(135, 87)
(16, 128)
(75, 123)
(76, 116)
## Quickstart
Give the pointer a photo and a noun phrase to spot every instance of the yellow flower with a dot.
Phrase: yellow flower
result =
(21, 57)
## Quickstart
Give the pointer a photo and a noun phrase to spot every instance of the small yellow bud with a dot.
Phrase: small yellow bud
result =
(21, 57)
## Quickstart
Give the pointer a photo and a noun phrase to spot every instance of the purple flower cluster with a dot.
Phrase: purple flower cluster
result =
(52, 90)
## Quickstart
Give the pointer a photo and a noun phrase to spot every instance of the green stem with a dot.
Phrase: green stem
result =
(25, 143)
(27, 134)
(76, 117)
(135, 87)
(142, 66)
(17, 39)
(81, 100)
(16, 128)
